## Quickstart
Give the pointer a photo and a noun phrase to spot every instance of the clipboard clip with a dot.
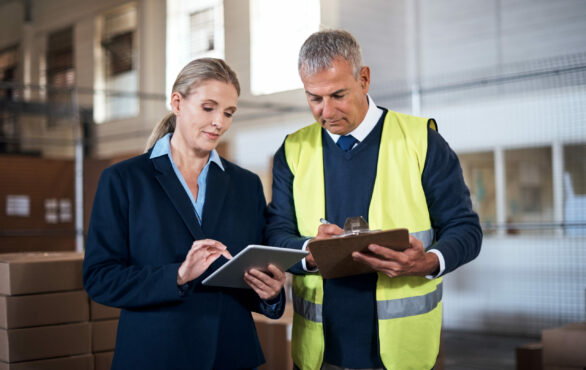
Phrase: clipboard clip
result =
(356, 225)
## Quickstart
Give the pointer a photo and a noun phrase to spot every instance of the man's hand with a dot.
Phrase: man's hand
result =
(324, 231)
(412, 261)
(201, 255)
(267, 285)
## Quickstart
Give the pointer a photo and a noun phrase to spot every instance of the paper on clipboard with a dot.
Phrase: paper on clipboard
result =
(333, 256)
(231, 274)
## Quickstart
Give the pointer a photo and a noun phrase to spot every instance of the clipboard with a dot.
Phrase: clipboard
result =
(231, 274)
(333, 256)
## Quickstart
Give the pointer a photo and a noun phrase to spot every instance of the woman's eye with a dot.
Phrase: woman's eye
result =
(228, 114)
(208, 109)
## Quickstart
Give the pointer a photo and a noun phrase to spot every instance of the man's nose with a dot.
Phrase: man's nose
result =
(327, 109)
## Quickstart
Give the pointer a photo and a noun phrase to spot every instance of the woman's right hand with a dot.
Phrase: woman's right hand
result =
(201, 255)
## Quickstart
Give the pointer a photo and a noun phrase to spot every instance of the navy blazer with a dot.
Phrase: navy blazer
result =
(142, 226)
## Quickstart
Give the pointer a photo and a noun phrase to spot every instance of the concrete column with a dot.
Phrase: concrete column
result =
(500, 189)
(152, 20)
(557, 172)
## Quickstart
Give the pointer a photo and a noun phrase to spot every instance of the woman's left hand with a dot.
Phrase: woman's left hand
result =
(266, 285)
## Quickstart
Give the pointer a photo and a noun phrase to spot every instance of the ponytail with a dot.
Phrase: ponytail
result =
(166, 125)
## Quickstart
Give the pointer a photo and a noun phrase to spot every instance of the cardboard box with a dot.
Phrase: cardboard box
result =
(565, 346)
(41, 342)
(104, 335)
(275, 339)
(103, 360)
(43, 309)
(529, 356)
(81, 362)
(40, 272)
(101, 312)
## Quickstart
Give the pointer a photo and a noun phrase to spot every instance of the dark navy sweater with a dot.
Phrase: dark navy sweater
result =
(349, 309)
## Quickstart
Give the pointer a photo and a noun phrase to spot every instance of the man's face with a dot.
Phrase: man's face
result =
(337, 99)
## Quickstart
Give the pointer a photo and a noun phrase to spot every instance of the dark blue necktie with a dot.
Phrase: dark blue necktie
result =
(346, 142)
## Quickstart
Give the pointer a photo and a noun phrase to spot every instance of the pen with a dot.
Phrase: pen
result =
(324, 221)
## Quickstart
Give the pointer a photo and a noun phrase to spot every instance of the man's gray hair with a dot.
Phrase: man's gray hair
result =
(321, 48)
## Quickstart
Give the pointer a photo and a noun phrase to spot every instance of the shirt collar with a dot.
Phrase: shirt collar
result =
(365, 127)
(163, 147)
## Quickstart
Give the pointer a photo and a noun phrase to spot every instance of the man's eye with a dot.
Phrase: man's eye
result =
(316, 100)
(337, 96)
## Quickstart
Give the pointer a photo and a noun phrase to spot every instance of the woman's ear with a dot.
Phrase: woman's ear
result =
(176, 102)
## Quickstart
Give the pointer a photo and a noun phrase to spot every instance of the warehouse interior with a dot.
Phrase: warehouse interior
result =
(82, 84)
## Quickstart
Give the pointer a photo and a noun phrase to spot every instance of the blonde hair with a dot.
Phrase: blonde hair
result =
(192, 75)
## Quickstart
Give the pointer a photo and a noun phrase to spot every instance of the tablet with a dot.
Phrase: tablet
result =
(231, 274)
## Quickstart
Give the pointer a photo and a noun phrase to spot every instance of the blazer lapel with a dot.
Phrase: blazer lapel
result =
(174, 190)
(216, 189)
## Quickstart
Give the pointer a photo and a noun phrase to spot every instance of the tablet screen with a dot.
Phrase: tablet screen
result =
(231, 274)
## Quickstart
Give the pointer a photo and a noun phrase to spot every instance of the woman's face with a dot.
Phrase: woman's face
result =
(204, 115)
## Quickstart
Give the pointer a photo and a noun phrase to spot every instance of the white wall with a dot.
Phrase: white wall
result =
(518, 285)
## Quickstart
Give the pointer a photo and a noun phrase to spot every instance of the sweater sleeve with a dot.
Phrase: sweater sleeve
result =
(457, 228)
(281, 229)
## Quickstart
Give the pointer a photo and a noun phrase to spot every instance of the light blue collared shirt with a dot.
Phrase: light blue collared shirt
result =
(163, 147)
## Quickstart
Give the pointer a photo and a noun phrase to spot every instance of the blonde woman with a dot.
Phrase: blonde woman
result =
(164, 220)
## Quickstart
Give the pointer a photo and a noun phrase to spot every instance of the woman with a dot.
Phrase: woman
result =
(141, 255)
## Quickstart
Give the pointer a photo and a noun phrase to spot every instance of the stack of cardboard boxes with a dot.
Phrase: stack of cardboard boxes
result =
(564, 348)
(44, 312)
(275, 339)
(104, 322)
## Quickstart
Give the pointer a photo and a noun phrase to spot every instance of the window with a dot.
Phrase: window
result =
(529, 190)
(8, 119)
(60, 69)
(60, 75)
(119, 53)
(277, 31)
(116, 78)
(195, 29)
(478, 169)
(8, 66)
(202, 32)
(575, 189)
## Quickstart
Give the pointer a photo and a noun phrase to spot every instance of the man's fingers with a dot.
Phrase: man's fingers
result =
(414, 242)
(384, 252)
(328, 230)
(387, 267)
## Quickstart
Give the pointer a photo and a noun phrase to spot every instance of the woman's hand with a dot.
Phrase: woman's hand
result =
(267, 285)
(201, 255)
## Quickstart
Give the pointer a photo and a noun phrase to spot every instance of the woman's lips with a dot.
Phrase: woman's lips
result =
(211, 135)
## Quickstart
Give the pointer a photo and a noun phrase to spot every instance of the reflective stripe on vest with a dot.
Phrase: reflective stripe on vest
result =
(308, 310)
(409, 307)
(387, 309)
(390, 309)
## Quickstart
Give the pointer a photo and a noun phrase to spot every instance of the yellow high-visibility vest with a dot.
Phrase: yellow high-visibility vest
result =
(409, 308)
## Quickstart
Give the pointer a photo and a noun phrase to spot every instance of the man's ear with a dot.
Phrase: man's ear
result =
(364, 78)
(176, 102)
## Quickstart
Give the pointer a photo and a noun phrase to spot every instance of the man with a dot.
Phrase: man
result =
(395, 170)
